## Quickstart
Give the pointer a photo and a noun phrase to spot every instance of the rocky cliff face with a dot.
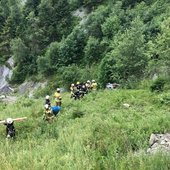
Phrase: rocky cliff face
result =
(5, 88)
(6, 73)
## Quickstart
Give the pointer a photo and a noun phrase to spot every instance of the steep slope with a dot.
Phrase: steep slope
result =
(119, 41)
(97, 132)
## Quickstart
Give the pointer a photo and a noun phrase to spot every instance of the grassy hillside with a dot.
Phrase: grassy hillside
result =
(94, 133)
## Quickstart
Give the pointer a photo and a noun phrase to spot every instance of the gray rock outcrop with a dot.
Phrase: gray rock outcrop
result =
(29, 87)
(8, 99)
(6, 73)
(159, 143)
(81, 13)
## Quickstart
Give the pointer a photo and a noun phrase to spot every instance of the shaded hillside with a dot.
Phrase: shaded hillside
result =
(119, 41)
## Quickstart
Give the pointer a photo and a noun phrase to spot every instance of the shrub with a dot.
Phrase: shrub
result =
(68, 75)
(165, 99)
(26, 102)
(158, 85)
(41, 92)
(77, 114)
(73, 73)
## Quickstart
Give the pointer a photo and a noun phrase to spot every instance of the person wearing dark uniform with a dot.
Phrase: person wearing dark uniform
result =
(47, 100)
(10, 129)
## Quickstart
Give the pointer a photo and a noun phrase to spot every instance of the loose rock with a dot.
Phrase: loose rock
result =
(159, 143)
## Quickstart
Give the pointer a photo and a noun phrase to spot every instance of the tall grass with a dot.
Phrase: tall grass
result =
(96, 132)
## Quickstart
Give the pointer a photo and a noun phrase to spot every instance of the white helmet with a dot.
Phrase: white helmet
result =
(46, 106)
(47, 97)
(72, 85)
(88, 81)
(93, 81)
(9, 120)
(58, 89)
(126, 105)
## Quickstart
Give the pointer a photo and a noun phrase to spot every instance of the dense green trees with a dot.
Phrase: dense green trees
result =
(92, 51)
(123, 40)
(159, 52)
(10, 19)
(127, 61)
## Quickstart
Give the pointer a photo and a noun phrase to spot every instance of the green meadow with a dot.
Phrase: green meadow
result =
(95, 133)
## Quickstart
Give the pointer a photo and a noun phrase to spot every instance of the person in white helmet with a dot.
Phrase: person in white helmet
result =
(47, 100)
(88, 85)
(10, 129)
(48, 115)
(73, 89)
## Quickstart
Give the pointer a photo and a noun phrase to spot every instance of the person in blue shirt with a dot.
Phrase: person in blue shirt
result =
(55, 110)
(51, 112)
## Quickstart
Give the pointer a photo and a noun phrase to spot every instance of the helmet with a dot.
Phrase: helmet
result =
(126, 105)
(58, 89)
(47, 97)
(46, 106)
(9, 120)
(78, 82)
(88, 81)
(72, 84)
(93, 81)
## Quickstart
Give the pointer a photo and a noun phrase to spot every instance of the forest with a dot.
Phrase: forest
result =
(121, 41)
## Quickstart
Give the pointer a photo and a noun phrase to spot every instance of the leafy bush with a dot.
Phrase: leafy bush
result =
(77, 114)
(27, 102)
(158, 85)
(41, 92)
(68, 75)
(127, 61)
(19, 75)
(165, 99)
(92, 51)
(73, 73)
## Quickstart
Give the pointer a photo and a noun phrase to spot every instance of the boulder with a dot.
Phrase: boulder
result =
(159, 143)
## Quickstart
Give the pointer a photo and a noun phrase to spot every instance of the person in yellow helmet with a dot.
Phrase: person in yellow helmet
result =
(58, 97)
(94, 85)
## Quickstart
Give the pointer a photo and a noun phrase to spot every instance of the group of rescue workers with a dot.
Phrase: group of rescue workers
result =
(52, 111)
(79, 90)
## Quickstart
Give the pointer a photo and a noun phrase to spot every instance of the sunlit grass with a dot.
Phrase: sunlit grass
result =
(97, 132)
